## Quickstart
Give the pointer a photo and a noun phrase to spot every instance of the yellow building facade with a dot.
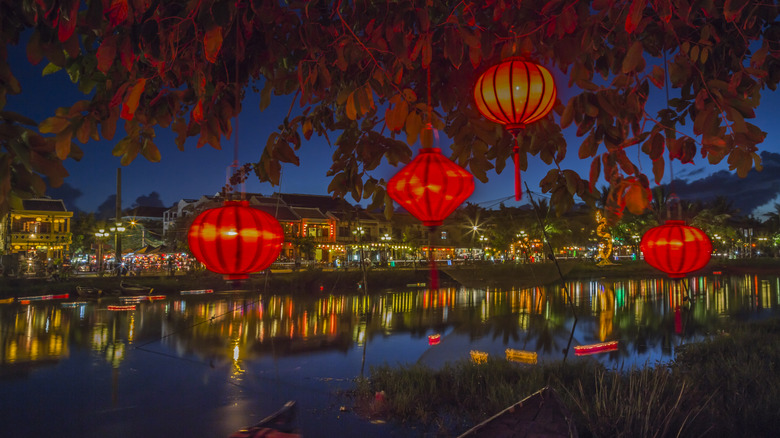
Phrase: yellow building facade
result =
(37, 229)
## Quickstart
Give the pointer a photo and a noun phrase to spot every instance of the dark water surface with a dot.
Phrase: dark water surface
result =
(205, 366)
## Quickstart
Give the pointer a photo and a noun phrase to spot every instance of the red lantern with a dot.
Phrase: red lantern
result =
(235, 239)
(515, 93)
(431, 186)
(676, 248)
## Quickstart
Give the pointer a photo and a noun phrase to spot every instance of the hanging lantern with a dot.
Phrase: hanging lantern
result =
(431, 186)
(676, 249)
(515, 93)
(235, 239)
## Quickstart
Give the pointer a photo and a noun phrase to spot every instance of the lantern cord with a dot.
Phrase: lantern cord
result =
(234, 169)
(569, 299)
(516, 158)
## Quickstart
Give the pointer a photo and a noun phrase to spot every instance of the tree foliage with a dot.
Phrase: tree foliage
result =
(361, 70)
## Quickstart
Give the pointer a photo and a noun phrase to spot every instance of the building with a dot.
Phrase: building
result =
(36, 230)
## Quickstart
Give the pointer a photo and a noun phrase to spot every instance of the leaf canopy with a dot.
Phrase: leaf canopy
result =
(362, 69)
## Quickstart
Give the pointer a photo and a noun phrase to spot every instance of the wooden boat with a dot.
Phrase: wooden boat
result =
(88, 292)
(280, 424)
(135, 289)
(540, 415)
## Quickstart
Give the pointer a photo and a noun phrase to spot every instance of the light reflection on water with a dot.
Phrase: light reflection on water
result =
(221, 361)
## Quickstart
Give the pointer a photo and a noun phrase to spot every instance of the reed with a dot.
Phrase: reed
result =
(726, 386)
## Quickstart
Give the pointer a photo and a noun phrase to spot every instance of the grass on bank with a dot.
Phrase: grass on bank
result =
(725, 387)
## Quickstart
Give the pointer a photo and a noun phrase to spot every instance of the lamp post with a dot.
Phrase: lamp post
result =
(482, 240)
(118, 230)
(386, 239)
(101, 234)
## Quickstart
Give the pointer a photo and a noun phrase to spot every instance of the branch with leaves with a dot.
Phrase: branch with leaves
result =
(357, 70)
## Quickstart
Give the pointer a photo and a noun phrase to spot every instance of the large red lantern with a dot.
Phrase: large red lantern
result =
(515, 93)
(676, 249)
(235, 239)
(431, 186)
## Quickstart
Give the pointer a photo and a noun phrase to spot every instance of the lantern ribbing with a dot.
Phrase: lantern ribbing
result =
(676, 249)
(431, 186)
(515, 93)
(235, 239)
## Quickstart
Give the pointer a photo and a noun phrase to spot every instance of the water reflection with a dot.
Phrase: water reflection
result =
(649, 317)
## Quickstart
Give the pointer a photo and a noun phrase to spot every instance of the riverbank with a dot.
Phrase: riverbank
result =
(316, 280)
(727, 386)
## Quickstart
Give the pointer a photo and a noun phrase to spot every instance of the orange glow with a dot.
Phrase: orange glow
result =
(431, 186)
(235, 239)
(676, 248)
(515, 93)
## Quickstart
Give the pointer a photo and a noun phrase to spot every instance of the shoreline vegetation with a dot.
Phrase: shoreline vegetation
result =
(727, 386)
(316, 280)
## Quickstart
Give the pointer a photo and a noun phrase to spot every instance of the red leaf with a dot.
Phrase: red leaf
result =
(67, 21)
(126, 54)
(117, 12)
(106, 54)
(635, 15)
(132, 99)
(197, 112)
(212, 42)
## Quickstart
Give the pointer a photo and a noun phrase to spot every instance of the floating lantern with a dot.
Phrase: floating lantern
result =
(478, 356)
(235, 239)
(529, 357)
(515, 93)
(676, 249)
(434, 339)
(604, 347)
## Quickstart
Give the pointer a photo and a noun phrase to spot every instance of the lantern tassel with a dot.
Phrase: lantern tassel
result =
(434, 283)
(518, 184)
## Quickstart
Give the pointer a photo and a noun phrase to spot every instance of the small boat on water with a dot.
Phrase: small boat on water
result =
(604, 347)
(7, 300)
(541, 414)
(88, 292)
(280, 424)
(135, 289)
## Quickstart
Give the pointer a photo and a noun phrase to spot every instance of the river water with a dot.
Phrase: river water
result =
(207, 365)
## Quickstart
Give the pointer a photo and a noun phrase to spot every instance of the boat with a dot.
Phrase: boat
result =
(88, 292)
(280, 424)
(7, 300)
(604, 347)
(541, 414)
(135, 289)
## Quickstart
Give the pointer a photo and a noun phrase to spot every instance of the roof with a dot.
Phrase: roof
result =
(281, 213)
(322, 202)
(42, 204)
(309, 213)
